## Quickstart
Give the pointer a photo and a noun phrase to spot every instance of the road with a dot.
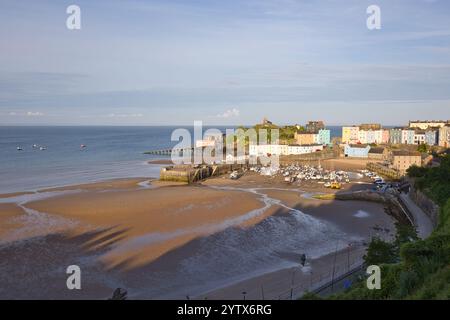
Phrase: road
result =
(422, 221)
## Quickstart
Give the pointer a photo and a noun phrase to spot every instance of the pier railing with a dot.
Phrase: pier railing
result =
(329, 281)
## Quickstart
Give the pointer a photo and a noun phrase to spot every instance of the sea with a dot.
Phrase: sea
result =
(109, 152)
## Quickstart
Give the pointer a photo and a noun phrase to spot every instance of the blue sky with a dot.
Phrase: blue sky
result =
(223, 62)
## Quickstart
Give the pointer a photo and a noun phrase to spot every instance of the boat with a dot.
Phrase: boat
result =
(42, 148)
(327, 184)
(335, 185)
(235, 175)
(19, 149)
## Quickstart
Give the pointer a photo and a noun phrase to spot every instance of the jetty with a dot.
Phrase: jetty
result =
(168, 152)
(193, 173)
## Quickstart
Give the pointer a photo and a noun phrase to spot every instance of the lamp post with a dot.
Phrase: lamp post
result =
(292, 283)
(302, 263)
(334, 269)
(348, 256)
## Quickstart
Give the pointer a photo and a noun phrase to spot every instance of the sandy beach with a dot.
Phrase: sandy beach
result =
(169, 240)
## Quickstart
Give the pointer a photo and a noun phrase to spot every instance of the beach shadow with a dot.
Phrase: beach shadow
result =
(35, 268)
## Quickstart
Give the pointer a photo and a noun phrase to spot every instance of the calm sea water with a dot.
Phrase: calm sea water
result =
(111, 152)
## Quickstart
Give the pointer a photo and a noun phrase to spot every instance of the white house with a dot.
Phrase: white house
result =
(282, 149)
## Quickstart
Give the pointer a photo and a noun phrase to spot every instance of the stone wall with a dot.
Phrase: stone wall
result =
(428, 206)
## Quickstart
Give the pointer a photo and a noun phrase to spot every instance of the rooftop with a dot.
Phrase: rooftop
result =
(405, 153)
(362, 146)
(377, 150)
(305, 145)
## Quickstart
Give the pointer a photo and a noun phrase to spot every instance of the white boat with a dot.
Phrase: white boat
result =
(234, 175)
(42, 148)
(19, 149)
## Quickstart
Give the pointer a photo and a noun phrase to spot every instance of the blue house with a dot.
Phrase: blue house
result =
(395, 136)
(324, 137)
(431, 137)
(356, 150)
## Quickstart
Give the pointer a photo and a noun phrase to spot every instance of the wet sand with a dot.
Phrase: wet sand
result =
(8, 217)
(162, 240)
(149, 211)
(162, 161)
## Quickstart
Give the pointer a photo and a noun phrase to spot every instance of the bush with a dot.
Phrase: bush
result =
(434, 181)
(422, 148)
(407, 282)
(379, 252)
(415, 171)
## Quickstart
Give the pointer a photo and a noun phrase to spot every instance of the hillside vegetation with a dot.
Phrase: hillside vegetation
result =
(411, 268)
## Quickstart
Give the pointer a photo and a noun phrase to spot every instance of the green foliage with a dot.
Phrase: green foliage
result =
(422, 148)
(405, 234)
(416, 171)
(435, 181)
(379, 252)
(436, 286)
(310, 296)
(422, 270)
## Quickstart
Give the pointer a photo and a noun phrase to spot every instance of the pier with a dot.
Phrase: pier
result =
(191, 174)
(168, 152)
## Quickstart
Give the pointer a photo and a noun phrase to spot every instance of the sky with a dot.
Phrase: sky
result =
(171, 62)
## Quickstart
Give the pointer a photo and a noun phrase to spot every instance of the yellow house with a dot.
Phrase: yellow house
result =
(305, 138)
(350, 134)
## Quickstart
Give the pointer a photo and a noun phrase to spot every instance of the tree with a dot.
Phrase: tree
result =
(380, 252)
(422, 148)
(415, 171)
(405, 234)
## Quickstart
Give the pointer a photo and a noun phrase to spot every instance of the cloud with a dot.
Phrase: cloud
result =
(27, 114)
(230, 113)
(34, 114)
(125, 115)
